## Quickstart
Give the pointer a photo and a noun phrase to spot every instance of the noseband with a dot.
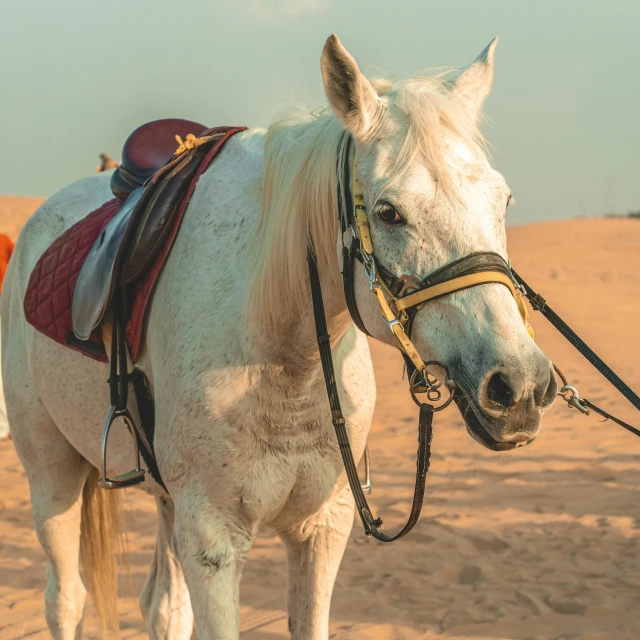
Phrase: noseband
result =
(399, 299)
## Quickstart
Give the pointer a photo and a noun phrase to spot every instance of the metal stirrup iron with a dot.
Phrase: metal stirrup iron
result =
(118, 385)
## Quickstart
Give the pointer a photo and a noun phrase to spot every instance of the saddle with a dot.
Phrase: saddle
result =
(152, 180)
(156, 181)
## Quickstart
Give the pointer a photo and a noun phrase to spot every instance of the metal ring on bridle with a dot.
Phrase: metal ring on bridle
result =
(433, 392)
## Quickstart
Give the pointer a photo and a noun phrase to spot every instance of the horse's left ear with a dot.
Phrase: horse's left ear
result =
(350, 94)
(473, 85)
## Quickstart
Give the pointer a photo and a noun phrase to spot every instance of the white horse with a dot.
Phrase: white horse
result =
(243, 429)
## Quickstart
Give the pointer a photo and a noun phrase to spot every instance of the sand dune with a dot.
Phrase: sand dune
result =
(14, 212)
(542, 543)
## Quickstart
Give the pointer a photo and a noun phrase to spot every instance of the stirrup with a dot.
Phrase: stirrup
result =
(130, 478)
(366, 485)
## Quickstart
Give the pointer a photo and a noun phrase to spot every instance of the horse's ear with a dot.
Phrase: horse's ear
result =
(350, 94)
(473, 85)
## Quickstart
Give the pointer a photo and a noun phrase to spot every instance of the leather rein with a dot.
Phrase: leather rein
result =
(399, 299)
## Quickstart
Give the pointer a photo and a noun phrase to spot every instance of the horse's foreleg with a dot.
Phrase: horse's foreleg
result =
(315, 548)
(165, 600)
(212, 545)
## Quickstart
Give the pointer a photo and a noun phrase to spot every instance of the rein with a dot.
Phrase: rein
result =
(399, 299)
(569, 393)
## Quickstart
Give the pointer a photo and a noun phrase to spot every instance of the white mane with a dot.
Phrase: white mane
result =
(304, 154)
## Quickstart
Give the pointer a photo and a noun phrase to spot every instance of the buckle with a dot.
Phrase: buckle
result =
(409, 282)
(369, 264)
(570, 395)
(393, 323)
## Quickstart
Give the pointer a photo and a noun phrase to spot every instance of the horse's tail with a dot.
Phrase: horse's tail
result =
(100, 538)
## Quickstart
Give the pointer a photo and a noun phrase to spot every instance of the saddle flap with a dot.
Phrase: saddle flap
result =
(97, 278)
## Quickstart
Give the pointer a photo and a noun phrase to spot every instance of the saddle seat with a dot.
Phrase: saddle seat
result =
(156, 186)
(148, 149)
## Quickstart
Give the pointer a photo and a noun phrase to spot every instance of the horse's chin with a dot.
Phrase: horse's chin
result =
(475, 421)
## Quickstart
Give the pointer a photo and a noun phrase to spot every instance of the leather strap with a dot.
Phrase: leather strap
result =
(457, 284)
(540, 304)
(350, 254)
(119, 379)
(425, 427)
(608, 416)
(406, 345)
(349, 286)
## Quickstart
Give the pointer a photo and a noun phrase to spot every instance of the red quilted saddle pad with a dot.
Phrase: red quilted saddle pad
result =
(47, 303)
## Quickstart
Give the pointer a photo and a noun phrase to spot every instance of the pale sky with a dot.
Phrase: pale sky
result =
(76, 76)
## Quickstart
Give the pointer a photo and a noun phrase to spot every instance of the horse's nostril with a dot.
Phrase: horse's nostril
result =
(499, 391)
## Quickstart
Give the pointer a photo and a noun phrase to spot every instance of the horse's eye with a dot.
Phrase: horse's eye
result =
(388, 214)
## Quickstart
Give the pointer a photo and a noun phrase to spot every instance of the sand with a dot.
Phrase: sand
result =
(542, 543)
(14, 212)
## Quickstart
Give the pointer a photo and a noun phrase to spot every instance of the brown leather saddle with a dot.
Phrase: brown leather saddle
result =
(154, 179)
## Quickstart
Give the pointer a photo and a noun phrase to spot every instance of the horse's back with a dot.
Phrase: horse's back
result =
(50, 220)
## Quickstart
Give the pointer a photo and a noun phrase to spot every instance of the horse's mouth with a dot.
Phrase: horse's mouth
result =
(474, 417)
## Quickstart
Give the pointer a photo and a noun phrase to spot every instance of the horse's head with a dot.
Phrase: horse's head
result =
(432, 197)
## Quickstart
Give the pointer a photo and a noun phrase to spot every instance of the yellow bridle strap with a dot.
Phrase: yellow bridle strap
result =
(456, 284)
(362, 222)
(465, 282)
(398, 331)
(524, 314)
(364, 234)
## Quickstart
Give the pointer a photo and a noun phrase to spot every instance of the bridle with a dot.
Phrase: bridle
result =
(399, 299)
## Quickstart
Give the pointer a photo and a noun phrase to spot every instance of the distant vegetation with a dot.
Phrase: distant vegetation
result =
(631, 214)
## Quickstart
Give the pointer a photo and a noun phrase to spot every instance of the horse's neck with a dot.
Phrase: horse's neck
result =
(294, 342)
(295, 214)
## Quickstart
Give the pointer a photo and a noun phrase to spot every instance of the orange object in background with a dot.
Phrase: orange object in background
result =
(6, 249)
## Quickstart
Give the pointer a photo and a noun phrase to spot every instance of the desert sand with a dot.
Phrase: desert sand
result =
(542, 543)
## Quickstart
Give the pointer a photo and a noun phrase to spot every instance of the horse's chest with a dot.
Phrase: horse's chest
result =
(290, 469)
(270, 448)
(301, 482)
